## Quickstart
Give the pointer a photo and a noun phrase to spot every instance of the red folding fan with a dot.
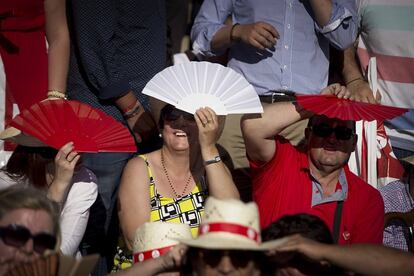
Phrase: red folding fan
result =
(333, 107)
(57, 122)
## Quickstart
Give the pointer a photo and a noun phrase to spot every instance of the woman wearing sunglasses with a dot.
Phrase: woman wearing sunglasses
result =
(57, 174)
(29, 226)
(172, 183)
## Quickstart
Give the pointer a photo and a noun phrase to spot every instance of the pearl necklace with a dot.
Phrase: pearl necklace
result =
(169, 180)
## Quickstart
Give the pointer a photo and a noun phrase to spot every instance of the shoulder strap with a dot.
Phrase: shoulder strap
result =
(143, 156)
(337, 221)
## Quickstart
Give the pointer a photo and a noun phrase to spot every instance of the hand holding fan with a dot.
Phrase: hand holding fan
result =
(59, 121)
(334, 107)
(191, 85)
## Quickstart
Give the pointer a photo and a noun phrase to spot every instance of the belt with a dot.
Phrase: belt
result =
(278, 96)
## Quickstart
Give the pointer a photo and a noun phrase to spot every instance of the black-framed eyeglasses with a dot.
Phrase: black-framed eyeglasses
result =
(17, 236)
(324, 130)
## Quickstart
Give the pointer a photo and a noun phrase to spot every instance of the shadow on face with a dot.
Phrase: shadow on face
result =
(330, 142)
(24, 235)
(223, 262)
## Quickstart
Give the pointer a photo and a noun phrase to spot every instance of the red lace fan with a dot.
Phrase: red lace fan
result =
(343, 109)
(57, 122)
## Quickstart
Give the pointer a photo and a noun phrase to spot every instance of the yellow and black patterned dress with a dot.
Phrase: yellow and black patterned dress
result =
(188, 209)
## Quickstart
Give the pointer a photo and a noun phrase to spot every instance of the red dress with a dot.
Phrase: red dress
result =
(24, 54)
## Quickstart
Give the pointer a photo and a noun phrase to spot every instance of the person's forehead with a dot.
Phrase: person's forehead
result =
(331, 121)
(35, 220)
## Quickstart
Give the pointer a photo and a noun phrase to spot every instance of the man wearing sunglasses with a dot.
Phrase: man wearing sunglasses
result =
(313, 177)
(29, 224)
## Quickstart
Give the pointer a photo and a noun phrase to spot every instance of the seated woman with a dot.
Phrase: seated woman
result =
(29, 225)
(73, 187)
(172, 183)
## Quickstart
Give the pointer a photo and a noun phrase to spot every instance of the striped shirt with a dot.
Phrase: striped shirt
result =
(387, 33)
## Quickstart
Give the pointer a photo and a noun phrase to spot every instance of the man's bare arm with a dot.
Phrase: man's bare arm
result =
(259, 130)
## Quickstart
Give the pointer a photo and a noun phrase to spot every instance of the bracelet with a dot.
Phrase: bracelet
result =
(231, 33)
(354, 80)
(216, 159)
(56, 94)
(131, 113)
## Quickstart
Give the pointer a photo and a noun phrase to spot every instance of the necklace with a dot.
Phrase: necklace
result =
(169, 180)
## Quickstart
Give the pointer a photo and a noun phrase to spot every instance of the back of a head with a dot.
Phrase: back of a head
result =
(24, 197)
(309, 226)
(29, 163)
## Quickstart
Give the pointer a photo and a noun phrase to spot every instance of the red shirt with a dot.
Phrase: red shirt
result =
(283, 186)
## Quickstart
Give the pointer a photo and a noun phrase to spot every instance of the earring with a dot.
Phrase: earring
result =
(160, 135)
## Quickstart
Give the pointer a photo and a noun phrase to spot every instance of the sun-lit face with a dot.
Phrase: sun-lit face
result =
(330, 143)
(36, 221)
(225, 262)
(180, 134)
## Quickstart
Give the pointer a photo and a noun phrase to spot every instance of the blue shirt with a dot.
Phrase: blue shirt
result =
(300, 59)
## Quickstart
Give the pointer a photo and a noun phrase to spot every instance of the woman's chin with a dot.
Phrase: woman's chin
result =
(180, 146)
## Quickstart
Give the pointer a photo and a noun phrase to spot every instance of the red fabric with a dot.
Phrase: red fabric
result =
(283, 187)
(140, 257)
(388, 166)
(58, 122)
(344, 109)
(237, 229)
(23, 50)
(364, 155)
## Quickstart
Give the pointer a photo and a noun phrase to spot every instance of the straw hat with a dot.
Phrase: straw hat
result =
(229, 224)
(154, 239)
(14, 135)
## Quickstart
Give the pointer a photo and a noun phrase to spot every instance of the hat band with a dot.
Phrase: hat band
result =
(237, 229)
(139, 257)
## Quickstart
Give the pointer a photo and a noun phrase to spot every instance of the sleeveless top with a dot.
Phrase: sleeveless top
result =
(188, 209)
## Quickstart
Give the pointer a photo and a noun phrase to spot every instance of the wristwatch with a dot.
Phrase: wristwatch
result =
(212, 161)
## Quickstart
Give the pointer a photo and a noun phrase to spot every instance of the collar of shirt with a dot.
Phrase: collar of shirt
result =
(340, 193)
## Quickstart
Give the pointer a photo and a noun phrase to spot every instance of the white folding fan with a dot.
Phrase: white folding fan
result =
(191, 85)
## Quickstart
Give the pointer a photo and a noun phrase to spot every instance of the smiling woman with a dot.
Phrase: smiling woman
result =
(172, 183)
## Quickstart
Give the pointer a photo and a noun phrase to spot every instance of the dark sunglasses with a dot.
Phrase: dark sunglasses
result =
(175, 114)
(17, 236)
(341, 132)
(239, 258)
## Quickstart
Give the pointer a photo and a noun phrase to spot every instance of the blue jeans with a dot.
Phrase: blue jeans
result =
(101, 235)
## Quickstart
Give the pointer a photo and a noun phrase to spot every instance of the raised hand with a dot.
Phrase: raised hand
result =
(174, 258)
(338, 90)
(208, 127)
(361, 92)
(297, 243)
(65, 162)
